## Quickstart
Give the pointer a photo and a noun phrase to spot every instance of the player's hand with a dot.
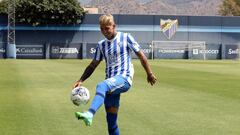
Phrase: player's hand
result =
(151, 78)
(77, 84)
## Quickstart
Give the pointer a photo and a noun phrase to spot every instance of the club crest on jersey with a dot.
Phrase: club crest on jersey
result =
(135, 44)
(112, 59)
(119, 44)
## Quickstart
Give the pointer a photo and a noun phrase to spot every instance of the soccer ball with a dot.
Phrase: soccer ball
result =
(80, 96)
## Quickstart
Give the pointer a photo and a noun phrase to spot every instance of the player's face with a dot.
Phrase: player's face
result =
(108, 30)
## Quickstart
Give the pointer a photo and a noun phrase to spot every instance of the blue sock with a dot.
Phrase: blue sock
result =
(98, 99)
(112, 124)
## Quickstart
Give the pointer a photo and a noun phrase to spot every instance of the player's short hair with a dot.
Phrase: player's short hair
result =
(106, 19)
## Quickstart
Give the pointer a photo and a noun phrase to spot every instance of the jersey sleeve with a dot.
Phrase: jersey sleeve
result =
(98, 54)
(132, 43)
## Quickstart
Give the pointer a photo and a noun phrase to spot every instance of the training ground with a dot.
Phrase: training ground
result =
(190, 98)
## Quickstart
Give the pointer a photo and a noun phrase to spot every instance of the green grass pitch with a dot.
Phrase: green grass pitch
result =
(190, 98)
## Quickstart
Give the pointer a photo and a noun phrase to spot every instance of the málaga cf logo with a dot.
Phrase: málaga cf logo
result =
(168, 27)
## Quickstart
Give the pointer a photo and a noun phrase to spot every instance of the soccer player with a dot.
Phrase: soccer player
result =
(116, 50)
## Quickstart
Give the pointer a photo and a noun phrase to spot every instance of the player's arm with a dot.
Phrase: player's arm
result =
(151, 78)
(87, 73)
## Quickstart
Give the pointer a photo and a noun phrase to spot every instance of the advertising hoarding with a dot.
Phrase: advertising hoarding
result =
(65, 51)
(90, 50)
(211, 52)
(232, 51)
(30, 51)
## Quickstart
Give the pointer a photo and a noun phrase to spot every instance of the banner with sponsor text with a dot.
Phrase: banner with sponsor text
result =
(30, 51)
(66, 51)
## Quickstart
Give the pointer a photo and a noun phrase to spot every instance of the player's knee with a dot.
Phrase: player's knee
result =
(102, 87)
(113, 110)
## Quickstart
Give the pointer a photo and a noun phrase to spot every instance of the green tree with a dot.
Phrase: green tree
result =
(43, 12)
(230, 8)
(3, 6)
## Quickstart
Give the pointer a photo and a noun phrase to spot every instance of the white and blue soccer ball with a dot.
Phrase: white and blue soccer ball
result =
(80, 96)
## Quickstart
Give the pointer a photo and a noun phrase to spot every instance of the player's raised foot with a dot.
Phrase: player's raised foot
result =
(85, 116)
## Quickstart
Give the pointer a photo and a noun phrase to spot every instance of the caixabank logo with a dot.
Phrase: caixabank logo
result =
(29, 50)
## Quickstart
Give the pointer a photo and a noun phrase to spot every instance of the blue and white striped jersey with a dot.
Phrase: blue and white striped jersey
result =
(117, 55)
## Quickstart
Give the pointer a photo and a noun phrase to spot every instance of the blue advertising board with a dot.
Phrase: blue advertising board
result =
(30, 51)
(211, 52)
(232, 51)
(65, 51)
(90, 50)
